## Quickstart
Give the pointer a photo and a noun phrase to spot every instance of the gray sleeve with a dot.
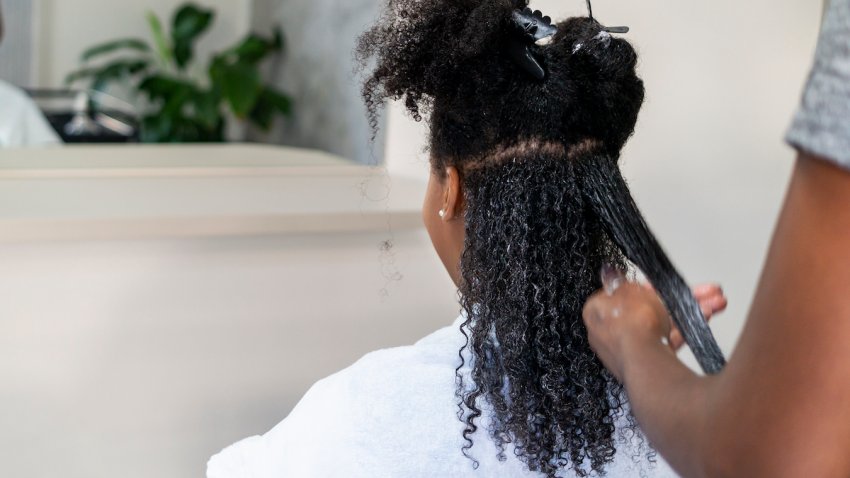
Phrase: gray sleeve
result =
(822, 124)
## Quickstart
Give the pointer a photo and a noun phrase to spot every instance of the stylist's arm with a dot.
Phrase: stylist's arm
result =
(781, 408)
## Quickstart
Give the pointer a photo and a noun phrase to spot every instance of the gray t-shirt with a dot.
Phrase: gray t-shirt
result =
(822, 123)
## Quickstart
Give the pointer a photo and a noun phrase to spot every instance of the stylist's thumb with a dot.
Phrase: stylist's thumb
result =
(619, 315)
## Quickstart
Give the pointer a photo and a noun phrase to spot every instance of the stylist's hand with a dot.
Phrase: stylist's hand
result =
(629, 316)
(712, 302)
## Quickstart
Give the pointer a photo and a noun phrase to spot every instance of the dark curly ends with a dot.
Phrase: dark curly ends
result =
(532, 257)
(447, 58)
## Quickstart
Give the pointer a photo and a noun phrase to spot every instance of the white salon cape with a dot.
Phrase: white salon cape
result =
(22, 124)
(391, 414)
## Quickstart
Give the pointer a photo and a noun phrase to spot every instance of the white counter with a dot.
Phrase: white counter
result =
(112, 192)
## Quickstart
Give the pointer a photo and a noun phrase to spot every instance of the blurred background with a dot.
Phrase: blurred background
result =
(195, 226)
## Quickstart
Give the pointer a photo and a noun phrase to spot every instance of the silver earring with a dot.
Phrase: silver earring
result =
(442, 213)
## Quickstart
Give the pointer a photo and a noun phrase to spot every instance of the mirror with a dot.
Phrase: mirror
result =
(268, 71)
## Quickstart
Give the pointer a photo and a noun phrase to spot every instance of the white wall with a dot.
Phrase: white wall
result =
(17, 42)
(69, 27)
(317, 70)
(143, 358)
(707, 163)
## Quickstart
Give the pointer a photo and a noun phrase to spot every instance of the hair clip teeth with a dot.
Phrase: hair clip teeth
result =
(533, 25)
(545, 41)
(604, 28)
(531, 28)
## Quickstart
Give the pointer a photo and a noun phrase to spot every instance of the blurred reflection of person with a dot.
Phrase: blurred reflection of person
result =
(22, 124)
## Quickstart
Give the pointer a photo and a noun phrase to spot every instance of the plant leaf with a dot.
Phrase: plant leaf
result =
(80, 74)
(109, 72)
(270, 103)
(262, 115)
(109, 47)
(254, 48)
(156, 128)
(191, 20)
(188, 24)
(279, 101)
(207, 110)
(278, 39)
(162, 47)
(185, 130)
(240, 84)
(162, 87)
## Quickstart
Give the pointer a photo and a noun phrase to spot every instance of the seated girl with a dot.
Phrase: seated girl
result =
(512, 388)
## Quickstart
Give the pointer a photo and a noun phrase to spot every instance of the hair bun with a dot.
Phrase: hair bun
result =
(419, 49)
(452, 59)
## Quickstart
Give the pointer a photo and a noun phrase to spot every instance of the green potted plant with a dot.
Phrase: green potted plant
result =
(179, 106)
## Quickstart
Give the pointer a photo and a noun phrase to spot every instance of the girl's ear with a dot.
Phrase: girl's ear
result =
(452, 194)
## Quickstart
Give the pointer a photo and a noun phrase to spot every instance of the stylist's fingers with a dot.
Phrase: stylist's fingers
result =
(621, 313)
(709, 296)
(711, 300)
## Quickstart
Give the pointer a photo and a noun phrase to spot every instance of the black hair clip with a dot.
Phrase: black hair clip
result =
(605, 32)
(604, 28)
(531, 28)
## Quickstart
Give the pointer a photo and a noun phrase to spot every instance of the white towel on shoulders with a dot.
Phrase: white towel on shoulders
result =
(391, 414)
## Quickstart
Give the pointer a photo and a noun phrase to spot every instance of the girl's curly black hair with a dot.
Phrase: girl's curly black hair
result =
(533, 156)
